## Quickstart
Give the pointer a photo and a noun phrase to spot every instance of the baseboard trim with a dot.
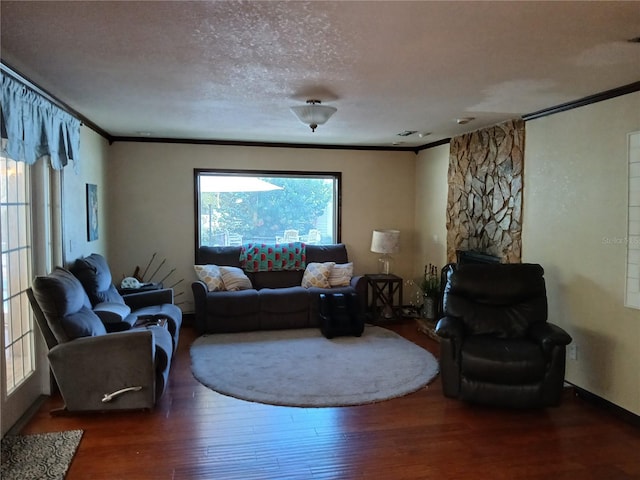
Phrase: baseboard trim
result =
(616, 410)
(22, 422)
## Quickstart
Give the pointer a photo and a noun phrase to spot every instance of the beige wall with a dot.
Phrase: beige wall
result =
(431, 206)
(575, 223)
(151, 201)
(93, 169)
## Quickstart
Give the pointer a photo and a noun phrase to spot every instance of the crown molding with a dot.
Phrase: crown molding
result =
(581, 102)
(588, 100)
(237, 143)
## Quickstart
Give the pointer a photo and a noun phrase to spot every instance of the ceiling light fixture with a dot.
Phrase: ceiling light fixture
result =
(313, 114)
(464, 120)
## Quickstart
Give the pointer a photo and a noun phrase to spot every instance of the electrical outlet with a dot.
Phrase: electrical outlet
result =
(573, 351)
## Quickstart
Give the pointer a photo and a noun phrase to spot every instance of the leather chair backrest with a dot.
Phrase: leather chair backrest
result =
(497, 299)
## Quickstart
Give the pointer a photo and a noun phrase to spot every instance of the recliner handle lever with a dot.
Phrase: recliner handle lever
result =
(110, 396)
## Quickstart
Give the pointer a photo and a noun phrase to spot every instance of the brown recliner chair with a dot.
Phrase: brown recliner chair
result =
(497, 347)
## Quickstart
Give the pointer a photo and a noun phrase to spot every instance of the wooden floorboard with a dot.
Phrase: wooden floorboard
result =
(195, 433)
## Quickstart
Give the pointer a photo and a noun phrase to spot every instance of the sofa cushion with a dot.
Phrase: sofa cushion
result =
(233, 304)
(110, 312)
(167, 310)
(341, 275)
(95, 276)
(211, 276)
(83, 323)
(234, 279)
(284, 308)
(327, 253)
(317, 275)
(286, 278)
(284, 300)
(228, 256)
(502, 361)
(66, 306)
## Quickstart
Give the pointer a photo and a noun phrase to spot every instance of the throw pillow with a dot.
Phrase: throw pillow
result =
(211, 276)
(234, 279)
(317, 275)
(341, 275)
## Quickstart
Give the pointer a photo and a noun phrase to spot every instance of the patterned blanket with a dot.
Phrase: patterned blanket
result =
(263, 257)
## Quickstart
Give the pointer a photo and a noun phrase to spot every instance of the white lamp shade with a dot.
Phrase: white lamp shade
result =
(313, 114)
(385, 241)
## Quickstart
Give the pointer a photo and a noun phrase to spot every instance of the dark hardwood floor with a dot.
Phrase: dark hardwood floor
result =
(195, 433)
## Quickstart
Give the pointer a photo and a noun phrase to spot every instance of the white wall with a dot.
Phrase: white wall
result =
(151, 201)
(93, 169)
(575, 224)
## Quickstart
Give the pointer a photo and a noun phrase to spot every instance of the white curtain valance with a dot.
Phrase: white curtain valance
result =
(33, 127)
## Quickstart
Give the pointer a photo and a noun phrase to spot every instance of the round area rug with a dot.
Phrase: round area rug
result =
(301, 368)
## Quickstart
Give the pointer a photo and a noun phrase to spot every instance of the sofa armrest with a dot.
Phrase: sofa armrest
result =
(451, 331)
(549, 335)
(359, 283)
(450, 327)
(146, 299)
(86, 369)
(199, 290)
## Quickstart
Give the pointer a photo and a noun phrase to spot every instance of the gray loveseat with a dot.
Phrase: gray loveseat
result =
(277, 299)
(95, 369)
(121, 312)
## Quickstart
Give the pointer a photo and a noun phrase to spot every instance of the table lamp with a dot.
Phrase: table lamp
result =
(385, 242)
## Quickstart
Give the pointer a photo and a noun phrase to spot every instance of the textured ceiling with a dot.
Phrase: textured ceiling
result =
(230, 70)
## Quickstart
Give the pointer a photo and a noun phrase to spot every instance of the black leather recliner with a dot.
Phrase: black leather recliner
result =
(497, 347)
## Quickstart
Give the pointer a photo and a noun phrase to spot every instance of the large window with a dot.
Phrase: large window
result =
(235, 207)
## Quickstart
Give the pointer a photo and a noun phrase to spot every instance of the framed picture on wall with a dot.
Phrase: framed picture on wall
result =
(92, 212)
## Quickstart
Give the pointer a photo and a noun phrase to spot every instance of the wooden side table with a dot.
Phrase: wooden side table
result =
(384, 296)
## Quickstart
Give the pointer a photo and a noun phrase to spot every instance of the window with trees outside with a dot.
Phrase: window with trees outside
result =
(234, 207)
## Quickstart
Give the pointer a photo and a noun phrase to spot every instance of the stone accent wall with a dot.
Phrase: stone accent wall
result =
(484, 204)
